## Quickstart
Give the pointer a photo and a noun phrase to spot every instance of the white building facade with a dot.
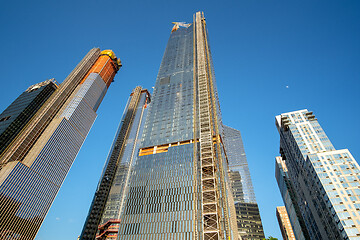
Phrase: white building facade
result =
(325, 181)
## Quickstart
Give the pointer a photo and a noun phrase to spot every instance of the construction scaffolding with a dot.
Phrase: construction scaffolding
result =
(210, 162)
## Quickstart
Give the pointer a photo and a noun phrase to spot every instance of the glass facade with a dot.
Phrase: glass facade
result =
(247, 211)
(170, 118)
(14, 118)
(40, 121)
(159, 200)
(104, 215)
(174, 184)
(178, 186)
(238, 166)
(117, 193)
(325, 181)
(30, 185)
(289, 198)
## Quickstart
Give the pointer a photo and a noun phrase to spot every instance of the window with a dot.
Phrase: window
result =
(165, 80)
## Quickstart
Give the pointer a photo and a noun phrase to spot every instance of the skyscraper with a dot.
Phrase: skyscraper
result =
(35, 164)
(289, 197)
(323, 184)
(284, 223)
(177, 185)
(179, 188)
(109, 197)
(247, 211)
(19, 113)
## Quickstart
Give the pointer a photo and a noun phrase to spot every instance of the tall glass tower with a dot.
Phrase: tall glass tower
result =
(15, 117)
(247, 211)
(177, 185)
(179, 188)
(34, 165)
(104, 215)
(320, 185)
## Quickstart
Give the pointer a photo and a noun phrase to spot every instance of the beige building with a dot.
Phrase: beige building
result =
(284, 223)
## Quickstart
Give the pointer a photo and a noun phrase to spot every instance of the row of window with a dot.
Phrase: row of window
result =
(157, 227)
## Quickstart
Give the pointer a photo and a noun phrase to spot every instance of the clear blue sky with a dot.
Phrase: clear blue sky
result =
(270, 57)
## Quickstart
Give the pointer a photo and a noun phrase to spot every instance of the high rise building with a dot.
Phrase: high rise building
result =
(284, 223)
(179, 187)
(15, 117)
(289, 197)
(247, 211)
(175, 183)
(322, 183)
(34, 165)
(104, 213)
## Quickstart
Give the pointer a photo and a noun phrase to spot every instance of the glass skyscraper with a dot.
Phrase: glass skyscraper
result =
(175, 183)
(34, 165)
(320, 185)
(247, 211)
(15, 117)
(109, 198)
(178, 187)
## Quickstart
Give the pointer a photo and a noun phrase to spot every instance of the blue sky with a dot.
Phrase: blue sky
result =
(270, 57)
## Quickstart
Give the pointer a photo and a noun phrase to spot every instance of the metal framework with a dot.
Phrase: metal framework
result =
(195, 142)
(219, 146)
(211, 213)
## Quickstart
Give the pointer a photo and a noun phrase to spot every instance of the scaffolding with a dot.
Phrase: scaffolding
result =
(210, 197)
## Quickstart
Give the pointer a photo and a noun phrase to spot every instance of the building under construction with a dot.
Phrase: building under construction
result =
(104, 215)
(39, 155)
(174, 184)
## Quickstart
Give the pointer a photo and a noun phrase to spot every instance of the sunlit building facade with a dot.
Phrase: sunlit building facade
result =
(284, 223)
(324, 182)
(247, 211)
(34, 166)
